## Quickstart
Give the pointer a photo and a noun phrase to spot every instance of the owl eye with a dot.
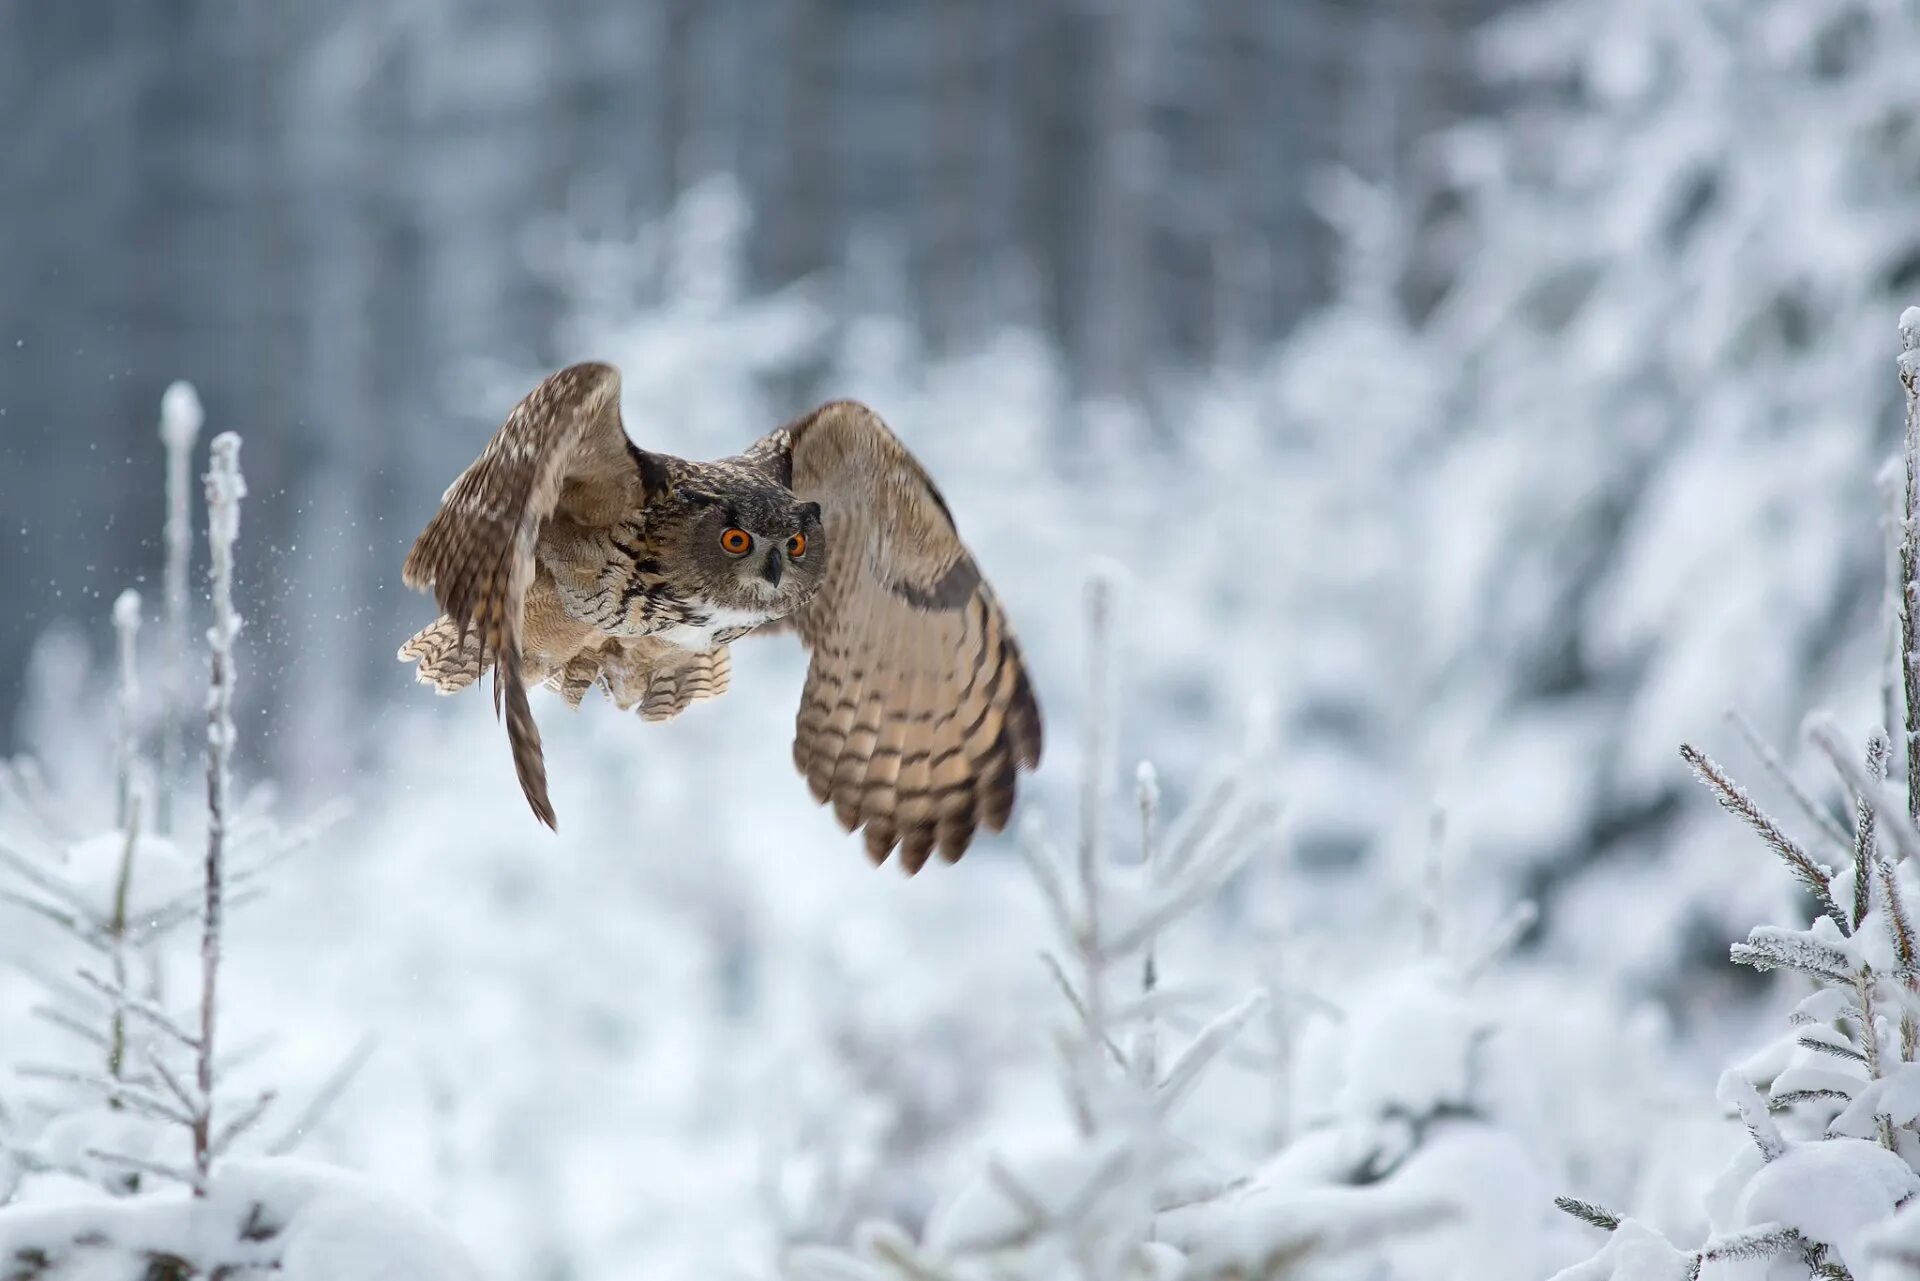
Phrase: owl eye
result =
(797, 546)
(735, 540)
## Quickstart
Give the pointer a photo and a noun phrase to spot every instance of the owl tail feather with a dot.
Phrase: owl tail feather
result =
(529, 762)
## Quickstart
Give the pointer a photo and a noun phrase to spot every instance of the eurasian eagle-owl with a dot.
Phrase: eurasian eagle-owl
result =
(568, 556)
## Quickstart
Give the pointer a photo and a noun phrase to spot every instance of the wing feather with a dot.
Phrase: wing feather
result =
(918, 713)
(562, 450)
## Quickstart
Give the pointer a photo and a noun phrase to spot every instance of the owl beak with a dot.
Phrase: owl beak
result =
(773, 568)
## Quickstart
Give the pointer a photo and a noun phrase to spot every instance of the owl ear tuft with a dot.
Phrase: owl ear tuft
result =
(653, 470)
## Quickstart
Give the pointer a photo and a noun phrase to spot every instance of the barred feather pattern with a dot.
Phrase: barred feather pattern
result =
(567, 556)
(918, 713)
(661, 681)
(477, 553)
(448, 661)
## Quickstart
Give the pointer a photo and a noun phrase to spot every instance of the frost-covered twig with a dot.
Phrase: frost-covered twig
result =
(1815, 878)
(1776, 769)
(1092, 845)
(30, 872)
(1187, 1066)
(116, 1091)
(1825, 733)
(1146, 1050)
(225, 489)
(324, 1098)
(180, 419)
(1738, 1093)
(1909, 367)
(144, 1166)
(126, 631)
(117, 937)
(242, 1121)
(1866, 854)
(1763, 1242)
(146, 1010)
(1588, 1212)
(70, 1025)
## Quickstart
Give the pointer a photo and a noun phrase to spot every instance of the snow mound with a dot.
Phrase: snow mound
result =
(296, 1219)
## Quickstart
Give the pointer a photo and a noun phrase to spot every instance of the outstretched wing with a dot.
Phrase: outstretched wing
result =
(917, 713)
(561, 450)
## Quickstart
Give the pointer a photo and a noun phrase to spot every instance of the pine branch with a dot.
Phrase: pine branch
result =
(1787, 1098)
(126, 629)
(225, 489)
(1043, 860)
(144, 1166)
(1835, 1048)
(1146, 1056)
(146, 1010)
(245, 1120)
(52, 886)
(173, 1083)
(1059, 975)
(1588, 1212)
(1202, 879)
(1770, 947)
(1825, 733)
(1187, 1066)
(1770, 761)
(1738, 1092)
(1763, 1242)
(1899, 924)
(80, 931)
(117, 933)
(1520, 918)
(1865, 852)
(1813, 877)
(324, 1098)
(180, 419)
(70, 1025)
(1909, 367)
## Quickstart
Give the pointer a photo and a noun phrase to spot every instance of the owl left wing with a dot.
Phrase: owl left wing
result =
(918, 712)
(561, 450)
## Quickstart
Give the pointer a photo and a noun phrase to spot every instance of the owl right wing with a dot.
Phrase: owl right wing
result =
(561, 451)
(918, 713)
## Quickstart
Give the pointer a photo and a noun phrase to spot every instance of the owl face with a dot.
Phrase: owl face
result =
(749, 546)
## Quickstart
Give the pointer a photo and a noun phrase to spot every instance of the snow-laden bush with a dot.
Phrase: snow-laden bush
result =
(1386, 1157)
(1665, 268)
(118, 1148)
(1832, 1106)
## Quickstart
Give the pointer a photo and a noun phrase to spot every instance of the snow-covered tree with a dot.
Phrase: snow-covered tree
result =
(1832, 1106)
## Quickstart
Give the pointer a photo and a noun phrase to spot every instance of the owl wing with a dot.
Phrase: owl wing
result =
(562, 450)
(918, 711)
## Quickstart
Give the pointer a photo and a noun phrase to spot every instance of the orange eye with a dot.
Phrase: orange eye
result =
(736, 541)
(797, 546)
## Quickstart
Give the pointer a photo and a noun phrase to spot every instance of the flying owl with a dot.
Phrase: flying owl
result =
(567, 556)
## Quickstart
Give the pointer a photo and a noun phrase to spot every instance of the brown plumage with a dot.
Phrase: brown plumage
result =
(568, 556)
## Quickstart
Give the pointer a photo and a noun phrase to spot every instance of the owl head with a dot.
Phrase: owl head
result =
(743, 541)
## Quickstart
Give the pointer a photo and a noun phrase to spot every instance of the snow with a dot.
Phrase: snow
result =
(298, 1220)
(180, 416)
(1495, 557)
(1836, 1192)
(1633, 1252)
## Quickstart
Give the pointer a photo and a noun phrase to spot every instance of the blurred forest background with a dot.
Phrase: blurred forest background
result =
(325, 214)
(1476, 400)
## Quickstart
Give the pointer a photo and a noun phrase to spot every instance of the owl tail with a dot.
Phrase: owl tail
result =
(529, 762)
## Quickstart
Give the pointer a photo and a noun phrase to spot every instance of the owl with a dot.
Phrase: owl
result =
(567, 556)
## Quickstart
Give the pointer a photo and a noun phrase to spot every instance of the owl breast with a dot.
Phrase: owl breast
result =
(608, 580)
(705, 627)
